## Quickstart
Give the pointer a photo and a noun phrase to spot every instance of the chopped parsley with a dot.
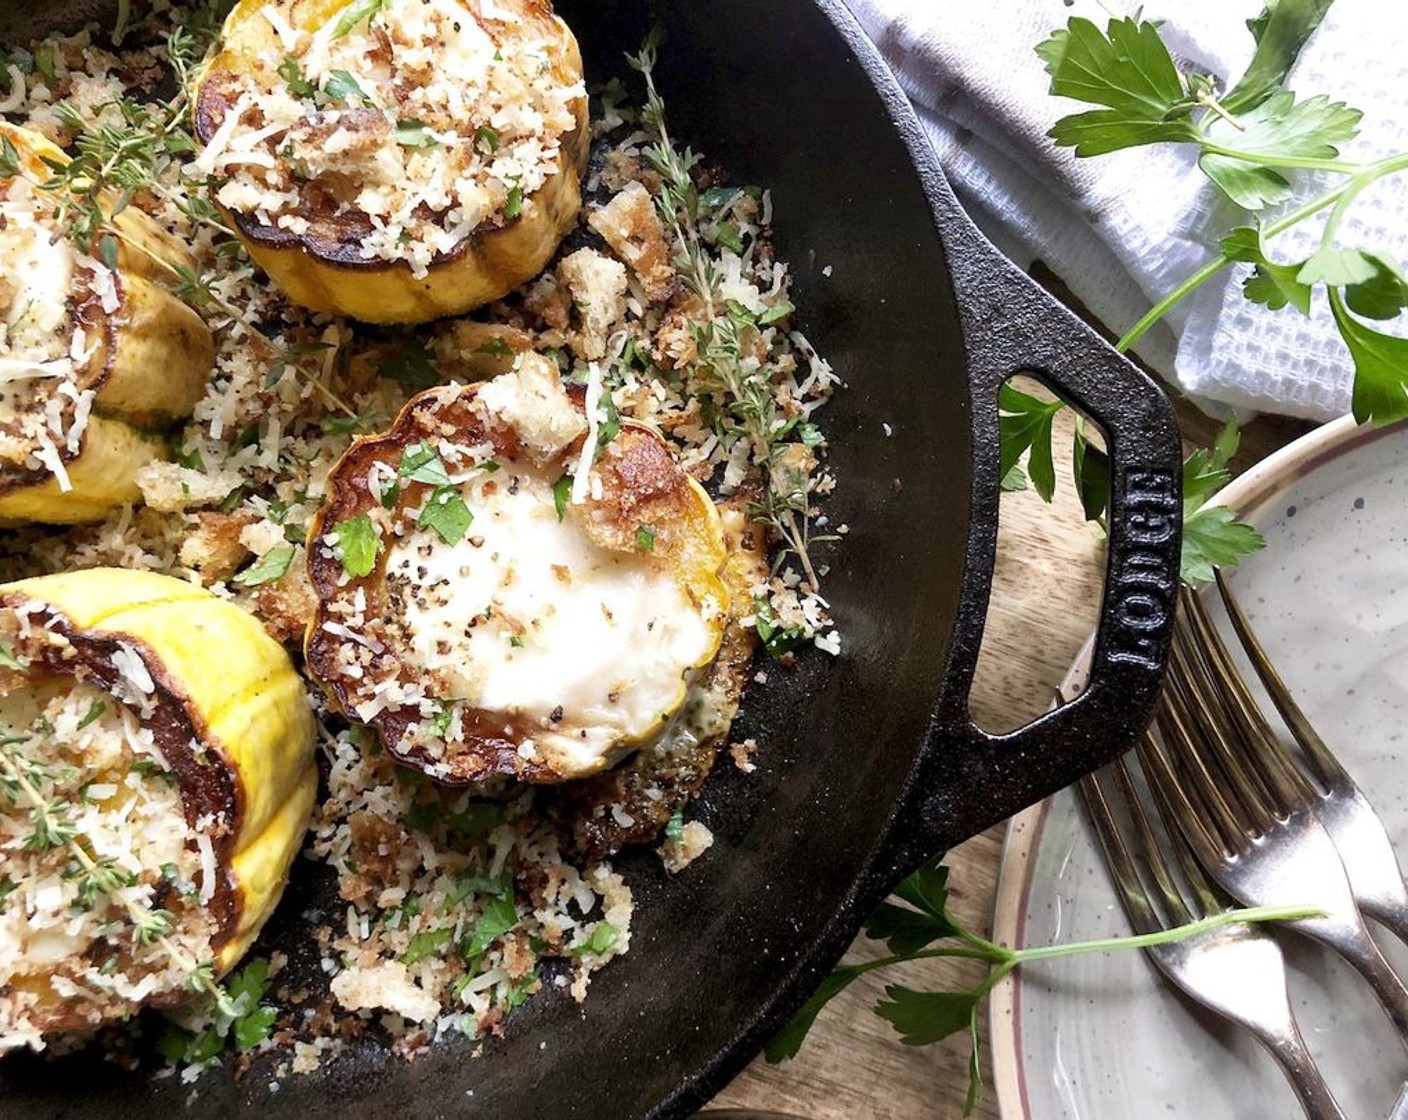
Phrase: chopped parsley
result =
(9, 661)
(411, 365)
(602, 938)
(498, 918)
(355, 13)
(292, 74)
(486, 140)
(269, 567)
(776, 638)
(358, 544)
(424, 945)
(776, 312)
(420, 463)
(414, 134)
(561, 491)
(342, 86)
(440, 725)
(645, 538)
(513, 204)
(447, 514)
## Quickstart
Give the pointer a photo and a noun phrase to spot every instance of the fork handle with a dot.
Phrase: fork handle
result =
(1393, 916)
(1352, 941)
(1291, 1055)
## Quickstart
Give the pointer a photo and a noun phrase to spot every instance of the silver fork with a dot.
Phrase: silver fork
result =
(1244, 822)
(1364, 845)
(1236, 971)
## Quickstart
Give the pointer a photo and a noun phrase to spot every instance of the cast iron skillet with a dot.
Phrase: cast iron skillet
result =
(869, 762)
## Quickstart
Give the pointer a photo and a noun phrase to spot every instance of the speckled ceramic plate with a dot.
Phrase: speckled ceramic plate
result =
(1101, 1037)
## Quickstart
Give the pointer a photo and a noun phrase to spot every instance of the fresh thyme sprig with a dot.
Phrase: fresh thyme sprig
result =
(113, 164)
(22, 778)
(746, 401)
(925, 1017)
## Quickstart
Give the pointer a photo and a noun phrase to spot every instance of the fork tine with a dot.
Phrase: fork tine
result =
(1137, 907)
(1283, 777)
(1202, 819)
(1186, 766)
(1327, 767)
(1209, 897)
(1229, 727)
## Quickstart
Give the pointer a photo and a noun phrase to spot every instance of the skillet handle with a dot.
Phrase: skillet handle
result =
(969, 779)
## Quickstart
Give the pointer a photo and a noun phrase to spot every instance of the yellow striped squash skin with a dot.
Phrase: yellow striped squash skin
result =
(244, 701)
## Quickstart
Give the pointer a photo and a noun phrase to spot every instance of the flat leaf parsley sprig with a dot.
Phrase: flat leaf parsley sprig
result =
(1249, 139)
(925, 1017)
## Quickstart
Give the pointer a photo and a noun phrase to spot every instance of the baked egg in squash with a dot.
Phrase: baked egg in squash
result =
(156, 781)
(511, 587)
(399, 161)
(96, 357)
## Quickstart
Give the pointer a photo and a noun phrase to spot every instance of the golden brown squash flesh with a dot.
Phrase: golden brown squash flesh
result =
(549, 626)
(317, 223)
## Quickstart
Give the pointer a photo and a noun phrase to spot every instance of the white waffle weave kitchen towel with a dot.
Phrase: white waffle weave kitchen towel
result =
(1122, 229)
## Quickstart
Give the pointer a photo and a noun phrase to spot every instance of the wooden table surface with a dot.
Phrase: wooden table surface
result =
(1046, 585)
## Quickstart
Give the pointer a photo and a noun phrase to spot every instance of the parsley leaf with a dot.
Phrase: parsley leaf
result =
(926, 1017)
(1381, 295)
(603, 936)
(777, 639)
(446, 513)
(1280, 31)
(1271, 284)
(906, 931)
(292, 74)
(1127, 69)
(486, 140)
(411, 365)
(788, 1041)
(1091, 468)
(1280, 126)
(342, 86)
(645, 538)
(513, 204)
(358, 544)
(1336, 267)
(1212, 535)
(498, 918)
(1025, 426)
(775, 313)
(420, 463)
(414, 134)
(424, 944)
(269, 567)
(1380, 367)
(561, 491)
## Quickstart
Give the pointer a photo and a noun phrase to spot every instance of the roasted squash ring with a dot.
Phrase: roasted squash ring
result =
(119, 356)
(223, 716)
(504, 590)
(360, 190)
